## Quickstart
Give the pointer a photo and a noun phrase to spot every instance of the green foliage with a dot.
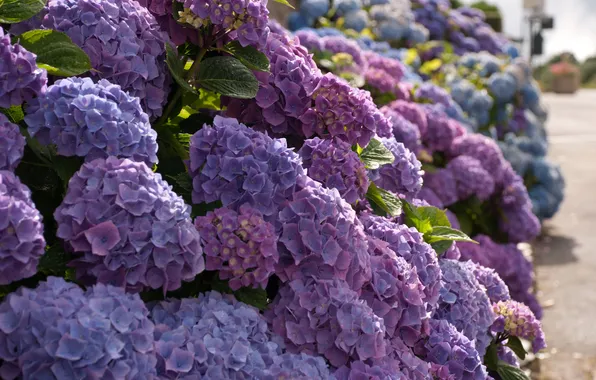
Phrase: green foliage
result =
(227, 76)
(493, 14)
(56, 52)
(248, 55)
(508, 372)
(517, 347)
(383, 201)
(176, 66)
(375, 155)
(13, 11)
(284, 2)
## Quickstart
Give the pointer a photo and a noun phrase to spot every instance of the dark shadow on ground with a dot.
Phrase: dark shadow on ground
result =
(551, 248)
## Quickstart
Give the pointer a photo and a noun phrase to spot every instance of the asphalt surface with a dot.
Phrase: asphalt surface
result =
(565, 256)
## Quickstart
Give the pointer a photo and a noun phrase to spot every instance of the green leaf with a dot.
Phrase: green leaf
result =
(436, 216)
(248, 55)
(414, 219)
(56, 52)
(491, 358)
(54, 261)
(15, 113)
(13, 11)
(227, 76)
(253, 297)
(177, 68)
(442, 233)
(385, 200)
(441, 247)
(66, 167)
(284, 2)
(376, 155)
(508, 372)
(516, 346)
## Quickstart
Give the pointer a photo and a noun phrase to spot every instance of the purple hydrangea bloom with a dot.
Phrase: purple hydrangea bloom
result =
(429, 196)
(413, 112)
(20, 78)
(92, 120)
(337, 166)
(442, 130)
(496, 290)
(321, 237)
(359, 370)
(211, 337)
(433, 93)
(511, 265)
(383, 74)
(401, 358)
(162, 10)
(325, 317)
(464, 303)
(297, 367)
(57, 331)
(345, 112)
(520, 224)
(247, 20)
(241, 246)
(471, 178)
(485, 150)
(341, 44)
(21, 231)
(409, 244)
(12, 144)
(404, 131)
(393, 67)
(395, 292)
(277, 28)
(448, 348)
(284, 94)
(442, 182)
(310, 40)
(127, 227)
(516, 319)
(123, 41)
(404, 175)
(235, 164)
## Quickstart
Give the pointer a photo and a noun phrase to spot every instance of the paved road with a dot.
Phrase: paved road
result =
(566, 254)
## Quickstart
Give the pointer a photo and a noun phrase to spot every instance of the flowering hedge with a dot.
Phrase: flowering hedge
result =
(186, 191)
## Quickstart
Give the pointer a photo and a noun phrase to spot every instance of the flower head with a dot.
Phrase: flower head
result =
(516, 319)
(92, 120)
(12, 144)
(21, 230)
(127, 227)
(496, 290)
(444, 186)
(20, 78)
(375, 370)
(471, 179)
(413, 112)
(337, 166)
(485, 150)
(241, 246)
(235, 164)
(297, 367)
(442, 130)
(404, 131)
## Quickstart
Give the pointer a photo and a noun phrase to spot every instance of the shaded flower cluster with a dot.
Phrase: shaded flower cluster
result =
(325, 317)
(341, 44)
(123, 41)
(412, 112)
(409, 244)
(516, 319)
(58, 331)
(234, 164)
(127, 227)
(21, 232)
(442, 130)
(92, 120)
(404, 131)
(464, 303)
(342, 111)
(471, 179)
(20, 78)
(241, 246)
(444, 186)
(320, 237)
(518, 221)
(211, 337)
(404, 175)
(12, 144)
(247, 19)
(337, 166)
(483, 149)
(162, 10)
(284, 94)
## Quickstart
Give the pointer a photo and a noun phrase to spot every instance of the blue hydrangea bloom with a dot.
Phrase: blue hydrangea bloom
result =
(12, 144)
(313, 9)
(502, 86)
(356, 20)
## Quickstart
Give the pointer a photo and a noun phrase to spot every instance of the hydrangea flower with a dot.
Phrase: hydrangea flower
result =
(404, 175)
(444, 185)
(471, 178)
(57, 331)
(325, 317)
(520, 224)
(211, 337)
(409, 244)
(127, 227)
(441, 130)
(12, 144)
(235, 164)
(401, 357)
(363, 370)
(241, 246)
(383, 73)
(310, 40)
(485, 150)
(284, 94)
(342, 111)
(341, 44)
(321, 237)
(413, 112)
(123, 41)
(297, 367)
(394, 292)
(452, 352)
(464, 303)
(247, 19)
(337, 166)
(509, 263)
(21, 232)
(516, 319)
(404, 131)
(496, 290)
(92, 120)
(20, 78)
(433, 93)
(162, 10)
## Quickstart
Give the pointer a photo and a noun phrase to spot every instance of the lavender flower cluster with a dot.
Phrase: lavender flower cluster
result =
(12, 144)
(516, 319)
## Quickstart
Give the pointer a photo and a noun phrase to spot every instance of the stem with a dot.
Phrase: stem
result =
(191, 73)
